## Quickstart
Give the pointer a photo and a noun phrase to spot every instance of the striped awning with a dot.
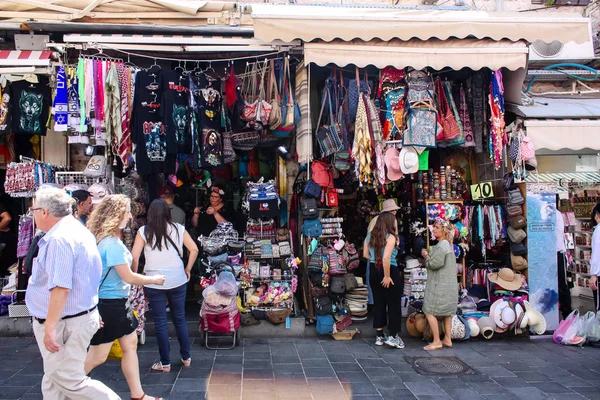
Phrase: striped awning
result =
(564, 178)
(25, 58)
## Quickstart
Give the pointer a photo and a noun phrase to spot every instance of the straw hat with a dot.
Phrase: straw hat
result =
(506, 278)
(536, 320)
(389, 205)
(420, 322)
(411, 326)
(502, 314)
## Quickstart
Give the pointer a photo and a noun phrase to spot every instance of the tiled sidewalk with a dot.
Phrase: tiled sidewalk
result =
(325, 369)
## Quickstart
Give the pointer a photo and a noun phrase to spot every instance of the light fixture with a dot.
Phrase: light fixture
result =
(89, 150)
(282, 150)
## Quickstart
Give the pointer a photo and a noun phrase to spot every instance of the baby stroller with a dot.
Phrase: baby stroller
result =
(219, 314)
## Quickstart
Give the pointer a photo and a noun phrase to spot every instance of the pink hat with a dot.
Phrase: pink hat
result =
(392, 162)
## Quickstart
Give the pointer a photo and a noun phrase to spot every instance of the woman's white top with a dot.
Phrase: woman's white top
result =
(167, 261)
(595, 261)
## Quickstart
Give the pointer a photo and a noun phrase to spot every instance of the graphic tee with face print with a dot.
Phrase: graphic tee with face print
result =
(30, 106)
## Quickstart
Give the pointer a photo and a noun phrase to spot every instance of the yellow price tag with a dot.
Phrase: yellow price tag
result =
(482, 190)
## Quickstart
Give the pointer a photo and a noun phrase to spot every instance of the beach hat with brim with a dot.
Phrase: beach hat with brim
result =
(392, 163)
(409, 160)
(536, 320)
(506, 278)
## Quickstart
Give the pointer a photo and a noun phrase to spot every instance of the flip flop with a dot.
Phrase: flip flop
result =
(159, 367)
(431, 347)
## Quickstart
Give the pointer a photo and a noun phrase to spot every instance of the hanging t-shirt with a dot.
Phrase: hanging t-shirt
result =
(5, 110)
(148, 132)
(30, 106)
(175, 112)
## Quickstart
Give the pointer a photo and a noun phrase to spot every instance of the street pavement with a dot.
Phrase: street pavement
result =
(293, 369)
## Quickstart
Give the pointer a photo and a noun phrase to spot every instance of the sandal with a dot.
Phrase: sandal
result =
(144, 396)
(157, 366)
(186, 363)
(431, 347)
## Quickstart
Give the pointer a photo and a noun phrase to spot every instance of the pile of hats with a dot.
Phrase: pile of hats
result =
(356, 301)
(506, 316)
(415, 278)
(398, 163)
(516, 232)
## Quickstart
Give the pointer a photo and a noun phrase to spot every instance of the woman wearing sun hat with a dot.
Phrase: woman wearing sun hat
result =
(441, 291)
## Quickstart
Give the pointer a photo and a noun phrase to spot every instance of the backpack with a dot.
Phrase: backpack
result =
(312, 189)
(350, 256)
(321, 173)
(309, 208)
(312, 228)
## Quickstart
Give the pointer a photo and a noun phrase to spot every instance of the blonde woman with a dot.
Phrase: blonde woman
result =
(441, 291)
(105, 223)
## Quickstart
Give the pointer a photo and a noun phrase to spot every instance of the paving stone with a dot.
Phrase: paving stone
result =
(529, 393)
(551, 387)
(316, 363)
(347, 367)
(463, 394)
(511, 382)
(429, 389)
(393, 394)
(319, 373)
(532, 376)
(355, 389)
(191, 385)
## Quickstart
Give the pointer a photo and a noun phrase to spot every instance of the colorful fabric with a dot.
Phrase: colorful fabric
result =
(60, 109)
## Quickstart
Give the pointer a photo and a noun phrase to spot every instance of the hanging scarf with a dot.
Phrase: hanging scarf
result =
(125, 141)
(478, 99)
(466, 120)
(497, 131)
(59, 107)
(81, 92)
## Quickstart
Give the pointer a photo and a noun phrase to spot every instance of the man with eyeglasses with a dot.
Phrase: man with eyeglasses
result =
(62, 296)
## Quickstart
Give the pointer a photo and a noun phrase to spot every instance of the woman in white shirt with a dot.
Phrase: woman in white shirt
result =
(595, 261)
(162, 242)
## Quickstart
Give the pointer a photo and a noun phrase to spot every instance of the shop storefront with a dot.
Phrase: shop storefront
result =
(303, 143)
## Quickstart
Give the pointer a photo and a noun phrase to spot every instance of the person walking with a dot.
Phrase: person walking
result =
(106, 222)
(83, 201)
(386, 283)
(162, 242)
(441, 291)
(62, 298)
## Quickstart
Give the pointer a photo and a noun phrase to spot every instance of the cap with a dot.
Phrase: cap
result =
(166, 190)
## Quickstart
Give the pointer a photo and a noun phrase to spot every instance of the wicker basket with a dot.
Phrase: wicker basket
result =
(245, 141)
(345, 335)
(18, 309)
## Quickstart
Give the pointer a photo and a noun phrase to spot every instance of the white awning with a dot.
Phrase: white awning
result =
(434, 53)
(290, 22)
(564, 134)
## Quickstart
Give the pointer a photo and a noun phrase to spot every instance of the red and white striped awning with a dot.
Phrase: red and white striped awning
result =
(20, 58)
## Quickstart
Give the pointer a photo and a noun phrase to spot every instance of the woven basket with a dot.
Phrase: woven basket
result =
(345, 335)
(245, 141)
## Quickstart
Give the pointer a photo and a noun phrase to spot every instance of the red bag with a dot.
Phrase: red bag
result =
(322, 173)
(332, 199)
(220, 323)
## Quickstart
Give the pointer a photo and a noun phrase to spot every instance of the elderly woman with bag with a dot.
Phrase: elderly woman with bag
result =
(441, 291)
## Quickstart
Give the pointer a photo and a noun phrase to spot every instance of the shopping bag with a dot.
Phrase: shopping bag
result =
(116, 353)
(593, 329)
(567, 330)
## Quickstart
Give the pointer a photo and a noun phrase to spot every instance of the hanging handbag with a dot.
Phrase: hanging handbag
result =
(515, 197)
(356, 87)
(527, 148)
(336, 266)
(514, 210)
(312, 228)
(449, 124)
(328, 136)
(331, 199)
(264, 107)
(459, 140)
(322, 173)
(312, 189)
(309, 208)
(422, 127)
(275, 115)
(250, 108)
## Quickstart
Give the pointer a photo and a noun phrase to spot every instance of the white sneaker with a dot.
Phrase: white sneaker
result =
(379, 340)
(395, 341)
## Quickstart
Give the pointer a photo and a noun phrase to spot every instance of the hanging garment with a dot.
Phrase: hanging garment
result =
(125, 140)
(497, 124)
(362, 148)
(478, 99)
(465, 119)
(5, 113)
(112, 109)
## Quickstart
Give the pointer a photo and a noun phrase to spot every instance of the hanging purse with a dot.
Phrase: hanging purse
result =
(422, 127)
(250, 108)
(331, 198)
(275, 115)
(327, 135)
(264, 107)
(449, 124)
(460, 138)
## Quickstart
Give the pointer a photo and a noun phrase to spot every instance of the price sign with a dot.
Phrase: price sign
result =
(482, 190)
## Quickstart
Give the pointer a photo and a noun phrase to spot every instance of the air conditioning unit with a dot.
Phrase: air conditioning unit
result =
(555, 50)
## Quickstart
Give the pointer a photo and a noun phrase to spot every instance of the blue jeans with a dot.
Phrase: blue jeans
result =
(158, 306)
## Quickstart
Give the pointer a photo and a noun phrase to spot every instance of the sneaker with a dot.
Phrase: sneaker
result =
(168, 309)
(379, 340)
(395, 341)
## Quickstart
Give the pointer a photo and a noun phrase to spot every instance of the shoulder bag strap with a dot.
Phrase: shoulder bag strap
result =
(174, 245)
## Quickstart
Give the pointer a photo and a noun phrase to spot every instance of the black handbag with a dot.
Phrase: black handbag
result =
(309, 208)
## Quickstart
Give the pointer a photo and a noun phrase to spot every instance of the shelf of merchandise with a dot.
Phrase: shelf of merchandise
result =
(580, 291)
(461, 277)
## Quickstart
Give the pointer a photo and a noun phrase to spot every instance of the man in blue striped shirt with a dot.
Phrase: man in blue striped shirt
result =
(62, 296)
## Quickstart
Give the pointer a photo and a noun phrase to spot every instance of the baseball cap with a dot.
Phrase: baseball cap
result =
(166, 190)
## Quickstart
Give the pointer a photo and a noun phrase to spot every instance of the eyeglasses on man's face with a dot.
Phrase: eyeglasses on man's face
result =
(31, 210)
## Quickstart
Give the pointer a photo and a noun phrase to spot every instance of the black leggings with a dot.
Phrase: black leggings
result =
(388, 309)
